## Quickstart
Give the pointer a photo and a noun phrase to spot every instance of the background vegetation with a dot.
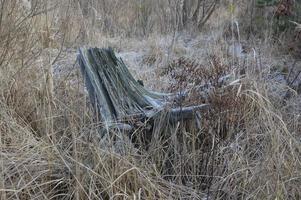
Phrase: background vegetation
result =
(241, 57)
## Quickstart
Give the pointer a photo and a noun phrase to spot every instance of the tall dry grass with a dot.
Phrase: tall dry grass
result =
(52, 146)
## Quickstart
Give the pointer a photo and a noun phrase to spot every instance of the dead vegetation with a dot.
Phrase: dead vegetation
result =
(247, 146)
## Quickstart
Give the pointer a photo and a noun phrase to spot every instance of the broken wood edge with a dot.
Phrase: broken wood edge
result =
(175, 115)
(186, 113)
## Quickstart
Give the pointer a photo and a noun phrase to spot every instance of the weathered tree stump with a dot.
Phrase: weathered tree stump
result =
(117, 96)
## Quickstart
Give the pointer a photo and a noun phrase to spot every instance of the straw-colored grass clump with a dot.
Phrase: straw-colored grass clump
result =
(52, 145)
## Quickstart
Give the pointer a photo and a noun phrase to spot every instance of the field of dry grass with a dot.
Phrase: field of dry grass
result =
(227, 54)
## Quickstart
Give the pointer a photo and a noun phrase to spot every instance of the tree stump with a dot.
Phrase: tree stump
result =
(118, 97)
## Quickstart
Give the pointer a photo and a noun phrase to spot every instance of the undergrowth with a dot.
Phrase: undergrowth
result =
(246, 146)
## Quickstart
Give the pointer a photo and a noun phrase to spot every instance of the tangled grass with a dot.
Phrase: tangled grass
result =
(247, 146)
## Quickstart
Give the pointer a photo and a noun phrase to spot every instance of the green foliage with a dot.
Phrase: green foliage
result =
(275, 24)
(262, 3)
(283, 23)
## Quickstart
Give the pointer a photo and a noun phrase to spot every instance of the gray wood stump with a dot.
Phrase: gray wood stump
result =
(117, 96)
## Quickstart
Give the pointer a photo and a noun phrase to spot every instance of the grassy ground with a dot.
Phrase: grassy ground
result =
(248, 146)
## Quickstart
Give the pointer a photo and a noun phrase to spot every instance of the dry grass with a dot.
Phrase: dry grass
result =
(53, 147)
